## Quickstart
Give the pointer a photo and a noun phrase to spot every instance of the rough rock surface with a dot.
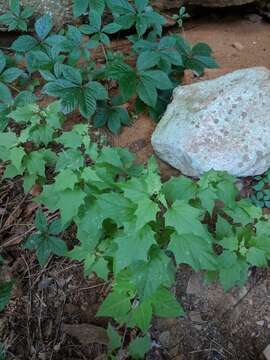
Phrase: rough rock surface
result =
(60, 10)
(217, 3)
(221, 124)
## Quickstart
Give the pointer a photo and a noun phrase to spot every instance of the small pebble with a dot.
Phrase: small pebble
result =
(255, 18)
(238, 46)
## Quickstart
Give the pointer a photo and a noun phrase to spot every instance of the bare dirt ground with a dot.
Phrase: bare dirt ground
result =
(45, 301)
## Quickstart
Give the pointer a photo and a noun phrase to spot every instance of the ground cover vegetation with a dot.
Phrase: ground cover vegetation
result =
(132, 230)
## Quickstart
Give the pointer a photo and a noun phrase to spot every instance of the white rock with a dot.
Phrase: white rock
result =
(221, 124)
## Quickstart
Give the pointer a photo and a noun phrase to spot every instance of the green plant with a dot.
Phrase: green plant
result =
(26, 152)
(161, 54)
(16, 17)
(142, 16)
(2, 352)
(45, 242)
(137, 224)
(26, 43)
(74, 45)
(80, 7)
(7, 76)
(23, 98)
(133, 230)
(5, 293)
(160, 61)
(99, 33)
(181, 16)
(111, 113)
(145, 83)
(75, 90)
(261, 191)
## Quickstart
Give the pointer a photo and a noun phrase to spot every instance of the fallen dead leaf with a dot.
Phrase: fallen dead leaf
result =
(87, 333)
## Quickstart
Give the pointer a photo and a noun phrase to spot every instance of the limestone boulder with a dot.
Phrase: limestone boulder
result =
(221, 124)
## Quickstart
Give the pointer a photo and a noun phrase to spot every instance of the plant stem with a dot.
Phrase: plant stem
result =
(14, 88)
(104, 53)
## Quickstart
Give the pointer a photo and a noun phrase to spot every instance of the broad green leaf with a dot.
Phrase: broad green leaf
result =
(165, 304)
(89, 224)
(116, 305)
(185, 219)
(149, 276)
(35, 164)
(66, 179)
(147, 60)
(57, 246)
(133, 246)
(235, 273)
(2, 61)
(80, 7)
(74, 199)
(56, 227)
(24, 43)
(7, 139)
(43, 26)
(111, 28)
(139, 347)
(15, 6)
(87, 103)
(223, 228)
(11, 74)
(179, 188)
(245, 212)
(114, 338)
(142, 316)
(100, 267)
(229, 243)
(263, 243)
(142, 24)
(16, 156)
(135, 189)
(146, 211)
(72, 74)
(41, 221)
(147, 92)
(208, 199)
(70, 139)
(126, 21)
(71, 158)
(5, 94)
(24, 114)
(5, 294)
(158, 78)
(97, 5)
(193, 250)
(256, 257)
(115, 207)
(141, 4)
(43, 251)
